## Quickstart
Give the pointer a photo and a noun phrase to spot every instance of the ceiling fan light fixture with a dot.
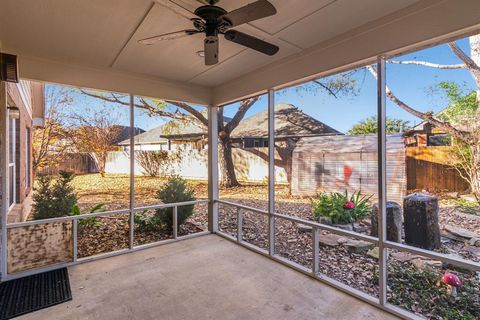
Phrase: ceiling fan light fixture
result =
(201, 53)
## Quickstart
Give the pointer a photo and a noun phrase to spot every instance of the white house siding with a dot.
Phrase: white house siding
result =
(194, 165)
(324, 164)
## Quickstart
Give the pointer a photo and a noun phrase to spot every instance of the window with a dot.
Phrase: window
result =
(28, 159)
(11, 162)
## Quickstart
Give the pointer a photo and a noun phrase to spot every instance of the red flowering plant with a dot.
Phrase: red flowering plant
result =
(341, 208)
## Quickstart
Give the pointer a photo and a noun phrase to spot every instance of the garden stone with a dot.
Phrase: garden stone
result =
(420, 212)
(468, 197)
(303, 228)
(374, 252)
(426, 264)
(348, 227)
(359, 228)
(329, 240)
(357, 246)
(394, 221)
(404, 256)
(460, 232)
(475, 242)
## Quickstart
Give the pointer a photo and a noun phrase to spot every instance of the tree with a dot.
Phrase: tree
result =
(188, 114)
(466, 136)
(95, 132)
(157, 162)
(369, 125)
(49, 142)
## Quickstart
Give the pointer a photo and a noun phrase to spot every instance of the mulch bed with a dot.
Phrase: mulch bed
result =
(111, 233)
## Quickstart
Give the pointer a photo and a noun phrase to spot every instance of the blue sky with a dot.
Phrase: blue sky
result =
(413, 84)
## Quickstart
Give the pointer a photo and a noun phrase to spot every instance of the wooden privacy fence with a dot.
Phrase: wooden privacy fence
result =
(428, 168)
(77, 163)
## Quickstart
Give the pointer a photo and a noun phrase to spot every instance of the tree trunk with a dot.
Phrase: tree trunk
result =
(229, 179)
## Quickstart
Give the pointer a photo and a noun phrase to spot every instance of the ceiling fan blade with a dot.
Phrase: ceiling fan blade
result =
(211, 50)
(250, 12)
(251, 42)
(168, 36)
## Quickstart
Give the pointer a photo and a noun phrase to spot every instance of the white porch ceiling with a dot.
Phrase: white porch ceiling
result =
(94, 43)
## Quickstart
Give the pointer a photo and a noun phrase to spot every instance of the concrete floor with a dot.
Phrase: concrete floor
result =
(201, 278)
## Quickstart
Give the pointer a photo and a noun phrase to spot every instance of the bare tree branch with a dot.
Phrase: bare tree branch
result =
(329, 90)
(429, 64)
(462, 135)
(464, 57)
(242, 110)
(113, 98)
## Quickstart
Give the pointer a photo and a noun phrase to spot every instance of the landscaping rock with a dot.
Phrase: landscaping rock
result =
(426, 264)
(420, 212)
(358, 246)
(348, 226)
(394, 221)
(453, 195)
(468, 197)
(404, 256)
(374, 253)
(303, 228)
(460, 232)
(475, 242)
(329, 240)
(357, 227)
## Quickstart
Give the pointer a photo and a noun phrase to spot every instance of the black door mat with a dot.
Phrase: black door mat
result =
(39, 291)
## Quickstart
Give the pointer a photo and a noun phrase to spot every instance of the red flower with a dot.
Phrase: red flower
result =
(349, 205)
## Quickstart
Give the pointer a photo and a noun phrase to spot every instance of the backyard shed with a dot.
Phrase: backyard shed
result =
(347, 162)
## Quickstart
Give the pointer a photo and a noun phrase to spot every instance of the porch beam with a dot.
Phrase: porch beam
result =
(213, 168)
(108, 79)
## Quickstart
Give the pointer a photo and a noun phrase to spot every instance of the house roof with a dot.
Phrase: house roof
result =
(289, 122)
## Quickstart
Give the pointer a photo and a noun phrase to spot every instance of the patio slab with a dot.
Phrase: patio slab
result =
(201, 278)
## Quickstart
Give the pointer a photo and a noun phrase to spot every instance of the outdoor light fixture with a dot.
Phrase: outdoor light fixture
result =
(201, 53)
(13, 112)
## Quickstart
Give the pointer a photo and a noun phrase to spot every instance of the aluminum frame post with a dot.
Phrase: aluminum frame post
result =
(175, 222)
(132, 171)
(3, 173)
(271, 171)
(239, 224)
(382, 181)
(316, 250)
(212, 168)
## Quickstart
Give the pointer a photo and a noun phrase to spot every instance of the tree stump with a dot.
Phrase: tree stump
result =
(394, 221)
(420, 214)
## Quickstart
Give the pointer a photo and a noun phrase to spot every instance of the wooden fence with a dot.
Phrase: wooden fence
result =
(77, 163)
(428, 168)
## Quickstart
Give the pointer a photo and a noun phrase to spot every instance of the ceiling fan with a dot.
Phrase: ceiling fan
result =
(213, 20)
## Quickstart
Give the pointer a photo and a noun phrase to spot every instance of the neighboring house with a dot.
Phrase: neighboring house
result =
(425, 134)
(252, 132)
(25, 108)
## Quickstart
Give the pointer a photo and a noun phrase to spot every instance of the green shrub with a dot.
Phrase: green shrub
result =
(91, 222)
(175, 190)
(341, 208)
(54, 199)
